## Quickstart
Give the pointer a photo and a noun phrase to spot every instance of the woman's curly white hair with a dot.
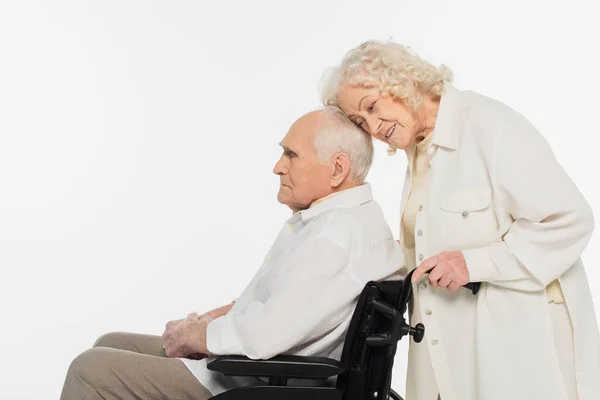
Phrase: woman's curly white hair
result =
(393, 68)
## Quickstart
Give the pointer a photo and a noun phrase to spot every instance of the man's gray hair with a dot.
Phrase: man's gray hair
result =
(337, 134)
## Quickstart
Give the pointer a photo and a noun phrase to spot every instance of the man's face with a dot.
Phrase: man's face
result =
(302, 178)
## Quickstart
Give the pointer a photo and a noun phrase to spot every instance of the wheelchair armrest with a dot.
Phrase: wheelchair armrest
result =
(279, 366)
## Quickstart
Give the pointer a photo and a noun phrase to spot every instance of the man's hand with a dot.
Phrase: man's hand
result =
(212, 314)
(447, 270)
(186, 337)
(174, 322)
(180, 338)
(218, 312)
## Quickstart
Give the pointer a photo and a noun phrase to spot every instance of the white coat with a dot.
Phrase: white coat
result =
(497, 193)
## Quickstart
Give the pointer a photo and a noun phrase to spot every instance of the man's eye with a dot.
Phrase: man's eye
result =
(360, 124)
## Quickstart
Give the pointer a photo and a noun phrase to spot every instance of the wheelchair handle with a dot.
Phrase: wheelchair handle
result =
(472, 286)
(399, 326)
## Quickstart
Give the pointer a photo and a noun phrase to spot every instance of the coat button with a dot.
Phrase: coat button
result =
(434, 342)
(423, 285)
(420, 257)
(428, 312)
(420, 208)
(465, 214)
(420, 232)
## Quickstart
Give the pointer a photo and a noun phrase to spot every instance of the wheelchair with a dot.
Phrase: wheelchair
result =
(365, 368)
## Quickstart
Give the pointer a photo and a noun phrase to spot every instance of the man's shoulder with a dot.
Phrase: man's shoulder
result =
(352, 226)
(368, 212)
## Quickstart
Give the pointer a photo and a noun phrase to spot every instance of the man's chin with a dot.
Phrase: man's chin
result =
(285, 199)
(281, 197)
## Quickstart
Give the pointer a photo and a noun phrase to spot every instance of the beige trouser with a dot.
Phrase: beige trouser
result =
(130, 366)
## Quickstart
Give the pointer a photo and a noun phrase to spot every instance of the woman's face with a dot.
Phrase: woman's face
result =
(382, 116)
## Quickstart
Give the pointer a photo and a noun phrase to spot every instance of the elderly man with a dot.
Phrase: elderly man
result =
(302, 297)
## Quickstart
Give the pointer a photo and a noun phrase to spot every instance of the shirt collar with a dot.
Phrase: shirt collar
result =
(444, 134)
(344, 199)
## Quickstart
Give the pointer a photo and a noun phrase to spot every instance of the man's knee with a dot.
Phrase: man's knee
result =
(113, 340)
(79, 375)
(86, 363)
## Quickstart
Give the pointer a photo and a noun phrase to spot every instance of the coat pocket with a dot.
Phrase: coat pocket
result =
(466, 218)
(465, 200)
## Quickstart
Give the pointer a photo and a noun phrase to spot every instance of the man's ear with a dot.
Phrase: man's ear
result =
(341, 169)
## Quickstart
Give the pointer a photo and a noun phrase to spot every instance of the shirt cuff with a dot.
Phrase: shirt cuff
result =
(480, 266)
(222, 337)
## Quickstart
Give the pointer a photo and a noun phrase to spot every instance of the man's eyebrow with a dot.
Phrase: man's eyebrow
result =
(287, 149)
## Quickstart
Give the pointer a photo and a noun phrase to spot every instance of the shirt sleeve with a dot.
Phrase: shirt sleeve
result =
(311, 296)
(552, 222)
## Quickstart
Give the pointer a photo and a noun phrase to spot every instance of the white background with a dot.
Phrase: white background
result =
(137, 140)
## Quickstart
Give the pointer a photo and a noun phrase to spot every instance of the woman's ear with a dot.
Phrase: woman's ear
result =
(340, 170)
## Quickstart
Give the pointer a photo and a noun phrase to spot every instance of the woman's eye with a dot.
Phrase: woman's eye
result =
(371, 107)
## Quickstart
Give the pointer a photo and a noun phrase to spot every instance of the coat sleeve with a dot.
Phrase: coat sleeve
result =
(311, 297)
(552, 222)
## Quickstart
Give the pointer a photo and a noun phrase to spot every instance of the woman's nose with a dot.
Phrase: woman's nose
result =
(373, 126)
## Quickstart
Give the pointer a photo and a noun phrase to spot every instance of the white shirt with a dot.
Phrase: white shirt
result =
(302, 298)
(497, 193)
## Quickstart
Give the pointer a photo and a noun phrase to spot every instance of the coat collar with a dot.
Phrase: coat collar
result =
(444, 132)
(345, 199)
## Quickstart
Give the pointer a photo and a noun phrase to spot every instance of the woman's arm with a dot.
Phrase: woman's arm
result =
(552, 221)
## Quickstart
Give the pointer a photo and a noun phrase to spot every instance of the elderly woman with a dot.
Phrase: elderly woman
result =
(484, 200)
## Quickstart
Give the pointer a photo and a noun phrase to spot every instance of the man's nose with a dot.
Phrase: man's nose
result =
(280, 168)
